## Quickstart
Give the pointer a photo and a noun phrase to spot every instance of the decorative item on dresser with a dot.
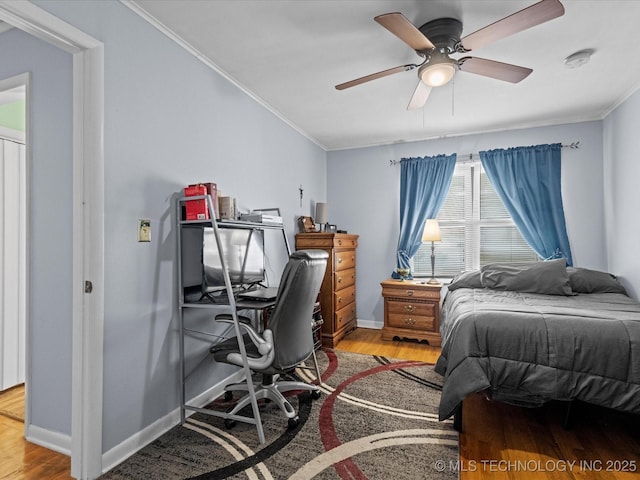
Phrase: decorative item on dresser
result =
(411, 310)
(338, 291)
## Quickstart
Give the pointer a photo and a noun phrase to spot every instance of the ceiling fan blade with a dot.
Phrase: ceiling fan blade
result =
(529, 17)
(491, 68)
(406, 31)
(373, 76)
(419, 97)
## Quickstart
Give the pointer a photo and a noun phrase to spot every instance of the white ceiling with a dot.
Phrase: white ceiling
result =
(289, 54)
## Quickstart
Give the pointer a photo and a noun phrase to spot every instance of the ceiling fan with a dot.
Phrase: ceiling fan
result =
(438, 39)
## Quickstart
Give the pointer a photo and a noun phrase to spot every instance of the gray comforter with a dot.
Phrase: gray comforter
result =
(528, 348)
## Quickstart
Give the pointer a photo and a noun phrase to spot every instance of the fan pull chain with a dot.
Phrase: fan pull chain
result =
(453, 96)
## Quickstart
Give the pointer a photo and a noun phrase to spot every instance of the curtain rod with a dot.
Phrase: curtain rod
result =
(469, 156)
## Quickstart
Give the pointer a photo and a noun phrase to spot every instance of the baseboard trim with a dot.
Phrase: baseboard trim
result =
(58, 442)
(369, 324)
(144, 437)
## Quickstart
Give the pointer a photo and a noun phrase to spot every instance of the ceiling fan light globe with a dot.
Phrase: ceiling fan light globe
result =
(437, 74)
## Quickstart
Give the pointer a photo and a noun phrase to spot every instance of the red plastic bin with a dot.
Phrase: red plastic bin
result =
(196, 209)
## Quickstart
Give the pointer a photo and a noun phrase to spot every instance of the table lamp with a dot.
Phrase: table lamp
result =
(321, 216)
(431, 234)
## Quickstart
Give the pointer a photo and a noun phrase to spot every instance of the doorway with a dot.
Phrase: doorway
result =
(13, 243)
(88, 226)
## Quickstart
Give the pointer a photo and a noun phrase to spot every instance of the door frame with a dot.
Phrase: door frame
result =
(88, 226)
(21, 80)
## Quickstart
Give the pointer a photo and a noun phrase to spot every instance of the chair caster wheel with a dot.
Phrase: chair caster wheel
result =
(229, 423)
(293, 422)
(315, 394)
(228, 396)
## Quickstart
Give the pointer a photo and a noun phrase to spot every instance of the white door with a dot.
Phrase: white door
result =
(12, 263)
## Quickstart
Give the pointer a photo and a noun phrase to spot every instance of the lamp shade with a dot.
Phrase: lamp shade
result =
(438, 74)
(431, 231)
(321, 212)
(438, 70)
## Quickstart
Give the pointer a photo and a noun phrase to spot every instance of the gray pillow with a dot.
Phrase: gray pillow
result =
(547, 277)
(470, 279)
(583, 280)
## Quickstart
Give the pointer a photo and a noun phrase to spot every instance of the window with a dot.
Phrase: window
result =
(475, 228)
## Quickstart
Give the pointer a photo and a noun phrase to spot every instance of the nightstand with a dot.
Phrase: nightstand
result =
(411, 310)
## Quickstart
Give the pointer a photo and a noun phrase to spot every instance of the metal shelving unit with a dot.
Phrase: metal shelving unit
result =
(229, 307)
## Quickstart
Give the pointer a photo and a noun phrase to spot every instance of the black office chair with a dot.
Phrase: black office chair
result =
(287, 339)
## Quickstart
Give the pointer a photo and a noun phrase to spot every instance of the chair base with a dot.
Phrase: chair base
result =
(272, 389)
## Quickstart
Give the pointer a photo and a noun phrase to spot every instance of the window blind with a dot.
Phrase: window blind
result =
(475, 227)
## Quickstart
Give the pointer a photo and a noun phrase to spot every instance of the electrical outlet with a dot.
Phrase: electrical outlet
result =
(144, 230)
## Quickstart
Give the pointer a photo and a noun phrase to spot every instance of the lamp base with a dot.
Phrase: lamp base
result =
(433, 281)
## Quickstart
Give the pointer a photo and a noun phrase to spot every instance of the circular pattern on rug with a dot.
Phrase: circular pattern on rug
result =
(376, 419)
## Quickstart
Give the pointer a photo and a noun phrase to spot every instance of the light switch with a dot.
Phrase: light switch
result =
(144, 230)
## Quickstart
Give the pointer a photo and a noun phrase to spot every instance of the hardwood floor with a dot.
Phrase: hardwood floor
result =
(19, 459)
(499, 441)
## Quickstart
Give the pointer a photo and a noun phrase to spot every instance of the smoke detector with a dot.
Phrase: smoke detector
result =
(578, 59)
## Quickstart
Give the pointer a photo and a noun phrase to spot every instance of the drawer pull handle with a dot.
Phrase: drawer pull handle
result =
(409, 293)
(339, 242)
(409, 308)
(339, 260)
(339, 279)
(339, 299)
(410, 321)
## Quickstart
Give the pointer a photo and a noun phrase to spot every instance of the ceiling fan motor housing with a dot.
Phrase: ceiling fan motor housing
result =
(444, 33)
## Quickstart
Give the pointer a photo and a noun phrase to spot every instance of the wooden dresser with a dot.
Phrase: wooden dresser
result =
(411, 310)
(338, 291)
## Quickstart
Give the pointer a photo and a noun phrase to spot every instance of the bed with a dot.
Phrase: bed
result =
(530, 333)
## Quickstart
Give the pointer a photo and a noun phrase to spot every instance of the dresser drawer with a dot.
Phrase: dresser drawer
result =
(345, 315)
(344, 297)
(344, 278)
(344, 260)
(346, 241)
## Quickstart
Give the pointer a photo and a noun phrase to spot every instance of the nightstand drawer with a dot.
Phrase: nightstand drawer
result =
(344, 278)
(411, 292)
(412, 308)
(344, 260)
(414, 322)
(344, 297)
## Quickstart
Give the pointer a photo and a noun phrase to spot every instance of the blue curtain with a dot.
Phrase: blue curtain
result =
(527, 180)
(424, 183)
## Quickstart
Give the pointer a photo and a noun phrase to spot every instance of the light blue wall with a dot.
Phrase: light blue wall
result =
(363, 198)
(50, 255)
(622, 195)
(171, 121)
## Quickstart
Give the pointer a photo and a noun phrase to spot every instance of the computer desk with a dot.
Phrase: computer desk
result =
(260, 307)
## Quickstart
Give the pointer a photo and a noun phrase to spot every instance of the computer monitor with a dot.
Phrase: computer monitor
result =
(243, 252)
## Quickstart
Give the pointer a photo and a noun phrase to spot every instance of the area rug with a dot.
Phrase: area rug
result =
(376, 420)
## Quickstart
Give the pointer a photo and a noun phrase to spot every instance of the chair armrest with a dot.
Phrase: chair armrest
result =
(228, 318)
(263, 345)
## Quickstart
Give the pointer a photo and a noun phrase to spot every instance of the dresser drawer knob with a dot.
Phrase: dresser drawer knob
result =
(409, 308)
(339, 279)
(410, 321)
(339, 260)
(409, 293)
(339, 299)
